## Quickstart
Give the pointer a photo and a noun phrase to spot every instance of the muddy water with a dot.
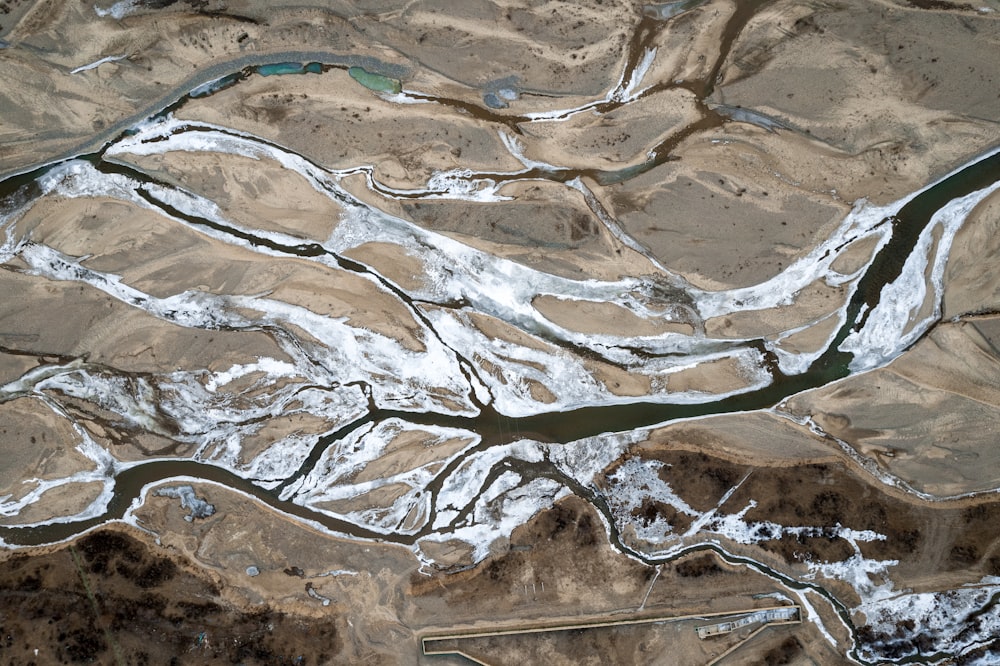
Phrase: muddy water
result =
(493, 428)
(559, 427)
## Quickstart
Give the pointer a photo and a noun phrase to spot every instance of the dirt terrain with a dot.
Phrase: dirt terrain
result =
(110, 598)
(347, 273)
(114, 596)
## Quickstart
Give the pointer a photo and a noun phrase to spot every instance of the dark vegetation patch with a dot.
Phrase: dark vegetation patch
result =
(902, 642)
(828, 497)
(984, 654)
(565, 521)
(568, 527)
(975, 531)
(81, 646)
(561, 556)
(963, 555)
(109, 599)
(936, 4)
(799, 548)
(107, 553)
(699, 479)
(785, 653)
(696, 567)
(650, 510)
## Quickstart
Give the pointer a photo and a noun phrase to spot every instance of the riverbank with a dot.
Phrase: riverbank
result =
(638, 313)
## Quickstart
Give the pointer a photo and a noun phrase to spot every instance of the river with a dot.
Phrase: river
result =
(493, 426)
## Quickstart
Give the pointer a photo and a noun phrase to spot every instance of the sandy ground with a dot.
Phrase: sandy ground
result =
(971, 284)
(332, 600)
(741, 148)
(871, 51)
(929, 417)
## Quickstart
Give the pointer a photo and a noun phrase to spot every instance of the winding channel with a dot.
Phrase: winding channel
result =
(566, 426)
(493, 428)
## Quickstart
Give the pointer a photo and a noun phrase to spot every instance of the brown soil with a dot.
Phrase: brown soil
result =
(827, 496)
(930, 540)
(929, 417)
(566, 549)
(872, 99)
(112, 599)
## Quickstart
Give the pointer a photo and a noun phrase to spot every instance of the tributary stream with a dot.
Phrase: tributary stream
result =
(494, 428)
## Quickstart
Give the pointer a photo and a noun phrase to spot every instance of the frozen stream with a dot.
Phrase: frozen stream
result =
(506, 454)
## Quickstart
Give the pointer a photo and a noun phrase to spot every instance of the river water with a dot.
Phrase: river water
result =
(563, 426)
(494, 428)
(566, 426)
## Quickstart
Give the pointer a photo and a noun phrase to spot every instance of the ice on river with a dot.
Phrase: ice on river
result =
(503, 289)
(917, 624)
(198, 506)
(364, 382)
